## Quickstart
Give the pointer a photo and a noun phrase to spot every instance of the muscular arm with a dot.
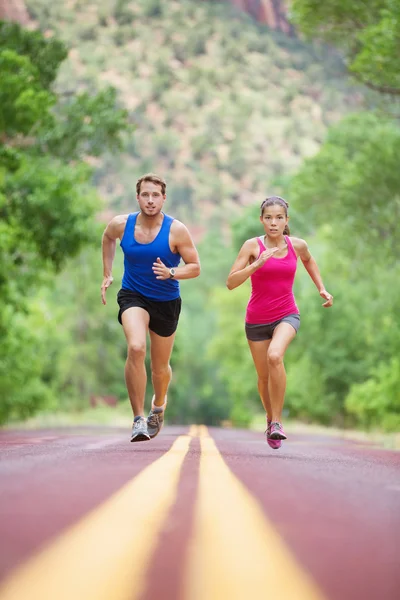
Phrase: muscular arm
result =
(312, 269)
(113, 231)
(183, 244)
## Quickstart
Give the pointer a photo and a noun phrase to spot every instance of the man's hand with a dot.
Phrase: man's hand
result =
(160, 270)
(107, 281)
(328, 297)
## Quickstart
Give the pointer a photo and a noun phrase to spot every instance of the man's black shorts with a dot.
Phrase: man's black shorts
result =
(164, 316)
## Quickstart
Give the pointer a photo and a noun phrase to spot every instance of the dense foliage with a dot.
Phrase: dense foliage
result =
(367, 32)
(229, 112)
(46, 203)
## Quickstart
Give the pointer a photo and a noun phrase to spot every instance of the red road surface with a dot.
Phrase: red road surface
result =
(335, 503)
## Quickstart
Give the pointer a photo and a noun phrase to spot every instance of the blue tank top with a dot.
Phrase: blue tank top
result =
(139, 258)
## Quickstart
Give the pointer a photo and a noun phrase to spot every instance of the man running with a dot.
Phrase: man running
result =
(149, 300)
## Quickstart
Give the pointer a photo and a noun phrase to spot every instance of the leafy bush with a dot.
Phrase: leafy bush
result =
(376, 402)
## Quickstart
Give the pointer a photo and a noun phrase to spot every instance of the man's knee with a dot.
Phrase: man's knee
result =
(160, 370)
(136, 351)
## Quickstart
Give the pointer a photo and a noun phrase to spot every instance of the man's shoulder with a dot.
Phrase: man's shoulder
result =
(177, 226)
(116, 227)
(121, 219)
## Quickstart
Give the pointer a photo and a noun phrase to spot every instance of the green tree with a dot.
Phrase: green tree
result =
(367, 32)
(376, 402)
(353, 183)
(351, 190)
(46, 202)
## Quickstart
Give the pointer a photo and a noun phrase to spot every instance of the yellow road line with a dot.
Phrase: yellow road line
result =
(235, 552)
(106, 555)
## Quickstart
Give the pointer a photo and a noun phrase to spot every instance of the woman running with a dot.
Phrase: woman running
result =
(272, 316)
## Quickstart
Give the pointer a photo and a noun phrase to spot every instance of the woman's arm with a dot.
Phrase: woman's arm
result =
(241, 269)
(312, 269)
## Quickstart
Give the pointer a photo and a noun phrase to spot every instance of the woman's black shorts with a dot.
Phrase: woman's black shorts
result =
(260, 333)
(164, 316)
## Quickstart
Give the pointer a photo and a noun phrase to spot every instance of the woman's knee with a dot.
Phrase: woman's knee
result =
(275, 357)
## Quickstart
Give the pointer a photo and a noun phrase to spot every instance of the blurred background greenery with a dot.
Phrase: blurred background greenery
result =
(229, 110)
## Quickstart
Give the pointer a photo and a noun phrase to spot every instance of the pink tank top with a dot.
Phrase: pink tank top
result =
(272, 288)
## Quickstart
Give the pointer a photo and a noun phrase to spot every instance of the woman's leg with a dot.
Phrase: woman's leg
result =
(282, 336)
(259, 352)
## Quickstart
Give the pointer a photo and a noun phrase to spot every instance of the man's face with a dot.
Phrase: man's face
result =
(150, 198)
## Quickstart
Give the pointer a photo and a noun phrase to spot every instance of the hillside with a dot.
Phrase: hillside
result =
(225, 108)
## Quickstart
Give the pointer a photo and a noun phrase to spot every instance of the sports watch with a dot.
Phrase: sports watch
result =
(172, 273)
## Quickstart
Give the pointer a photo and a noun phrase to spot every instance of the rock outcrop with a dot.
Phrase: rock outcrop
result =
(14, 10)
(270, 12)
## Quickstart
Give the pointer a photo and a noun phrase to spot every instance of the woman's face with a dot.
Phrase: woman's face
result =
(274, 220)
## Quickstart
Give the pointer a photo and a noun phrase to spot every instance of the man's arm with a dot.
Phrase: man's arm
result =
(312, 269)
(184, 245)
(113, 231)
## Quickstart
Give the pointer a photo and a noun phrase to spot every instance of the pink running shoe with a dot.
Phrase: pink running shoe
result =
(274, 444)
(276, 431)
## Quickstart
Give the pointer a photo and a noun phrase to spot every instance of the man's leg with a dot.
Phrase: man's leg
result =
(135, 322)
(161, 348)
(161, 372)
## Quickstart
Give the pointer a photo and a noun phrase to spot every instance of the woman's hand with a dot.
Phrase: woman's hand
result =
(264, 256)
(328, 297)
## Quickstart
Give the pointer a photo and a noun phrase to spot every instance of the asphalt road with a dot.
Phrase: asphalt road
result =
(196, 514)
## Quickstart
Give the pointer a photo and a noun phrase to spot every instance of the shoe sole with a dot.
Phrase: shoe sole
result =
(141, 437)
(274, 446)
(278, 436)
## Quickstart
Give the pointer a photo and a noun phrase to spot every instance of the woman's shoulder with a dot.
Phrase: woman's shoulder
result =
(254, 241)
(251, 243)
(298, 243)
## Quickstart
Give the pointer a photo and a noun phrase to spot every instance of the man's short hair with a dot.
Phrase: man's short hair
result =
(153, 178)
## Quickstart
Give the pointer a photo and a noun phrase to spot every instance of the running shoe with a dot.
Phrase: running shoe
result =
(274, 444)
(155, 421)
(276, 431)
(139, 430)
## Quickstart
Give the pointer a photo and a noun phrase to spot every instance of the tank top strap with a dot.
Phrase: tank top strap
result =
(261, 245)
(290, 246)
(129, 228)
(167, 222)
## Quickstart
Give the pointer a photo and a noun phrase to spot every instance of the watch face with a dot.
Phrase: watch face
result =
(172, 272)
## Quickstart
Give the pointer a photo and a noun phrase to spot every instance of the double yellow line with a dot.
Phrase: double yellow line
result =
(234, 553)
